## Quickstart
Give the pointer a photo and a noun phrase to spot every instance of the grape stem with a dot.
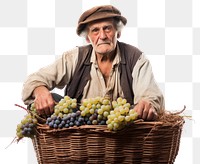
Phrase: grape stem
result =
(15, 139)
(22, 107)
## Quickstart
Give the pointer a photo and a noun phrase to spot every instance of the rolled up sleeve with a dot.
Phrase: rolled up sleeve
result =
(145, 86)
(54, 75)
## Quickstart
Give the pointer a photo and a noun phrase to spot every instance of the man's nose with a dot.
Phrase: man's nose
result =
(102, 34)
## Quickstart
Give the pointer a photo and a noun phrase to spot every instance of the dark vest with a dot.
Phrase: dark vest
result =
(129, 56)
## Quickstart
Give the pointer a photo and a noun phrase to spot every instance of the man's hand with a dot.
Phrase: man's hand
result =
(145, 110)
(44, 102)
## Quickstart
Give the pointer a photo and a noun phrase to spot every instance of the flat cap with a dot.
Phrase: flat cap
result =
(97, 13)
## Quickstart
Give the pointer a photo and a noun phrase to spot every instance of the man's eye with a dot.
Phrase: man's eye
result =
(108, 28)
(95, 30)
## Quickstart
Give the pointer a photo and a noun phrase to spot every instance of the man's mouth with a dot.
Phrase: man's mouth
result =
(103, 43)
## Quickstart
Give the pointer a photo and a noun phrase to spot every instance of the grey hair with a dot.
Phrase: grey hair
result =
(118, 24)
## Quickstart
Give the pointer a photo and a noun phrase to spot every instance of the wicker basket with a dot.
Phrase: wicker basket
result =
(139, 143)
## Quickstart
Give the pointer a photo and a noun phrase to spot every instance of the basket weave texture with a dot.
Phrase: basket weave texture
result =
(139, 143)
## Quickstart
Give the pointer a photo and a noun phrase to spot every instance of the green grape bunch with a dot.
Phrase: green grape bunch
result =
(26, 128)
(121, 115)
(66, 114)
(65, 106)
(95, 110)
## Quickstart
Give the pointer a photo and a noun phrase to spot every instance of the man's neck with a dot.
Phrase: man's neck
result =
(109, 57)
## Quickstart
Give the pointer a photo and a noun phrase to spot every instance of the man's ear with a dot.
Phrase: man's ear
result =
(118, 34)
(87, 39)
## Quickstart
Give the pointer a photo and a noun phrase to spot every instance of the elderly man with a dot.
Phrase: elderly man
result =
(104, 67)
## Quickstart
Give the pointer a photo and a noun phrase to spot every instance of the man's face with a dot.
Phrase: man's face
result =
(103, 36)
